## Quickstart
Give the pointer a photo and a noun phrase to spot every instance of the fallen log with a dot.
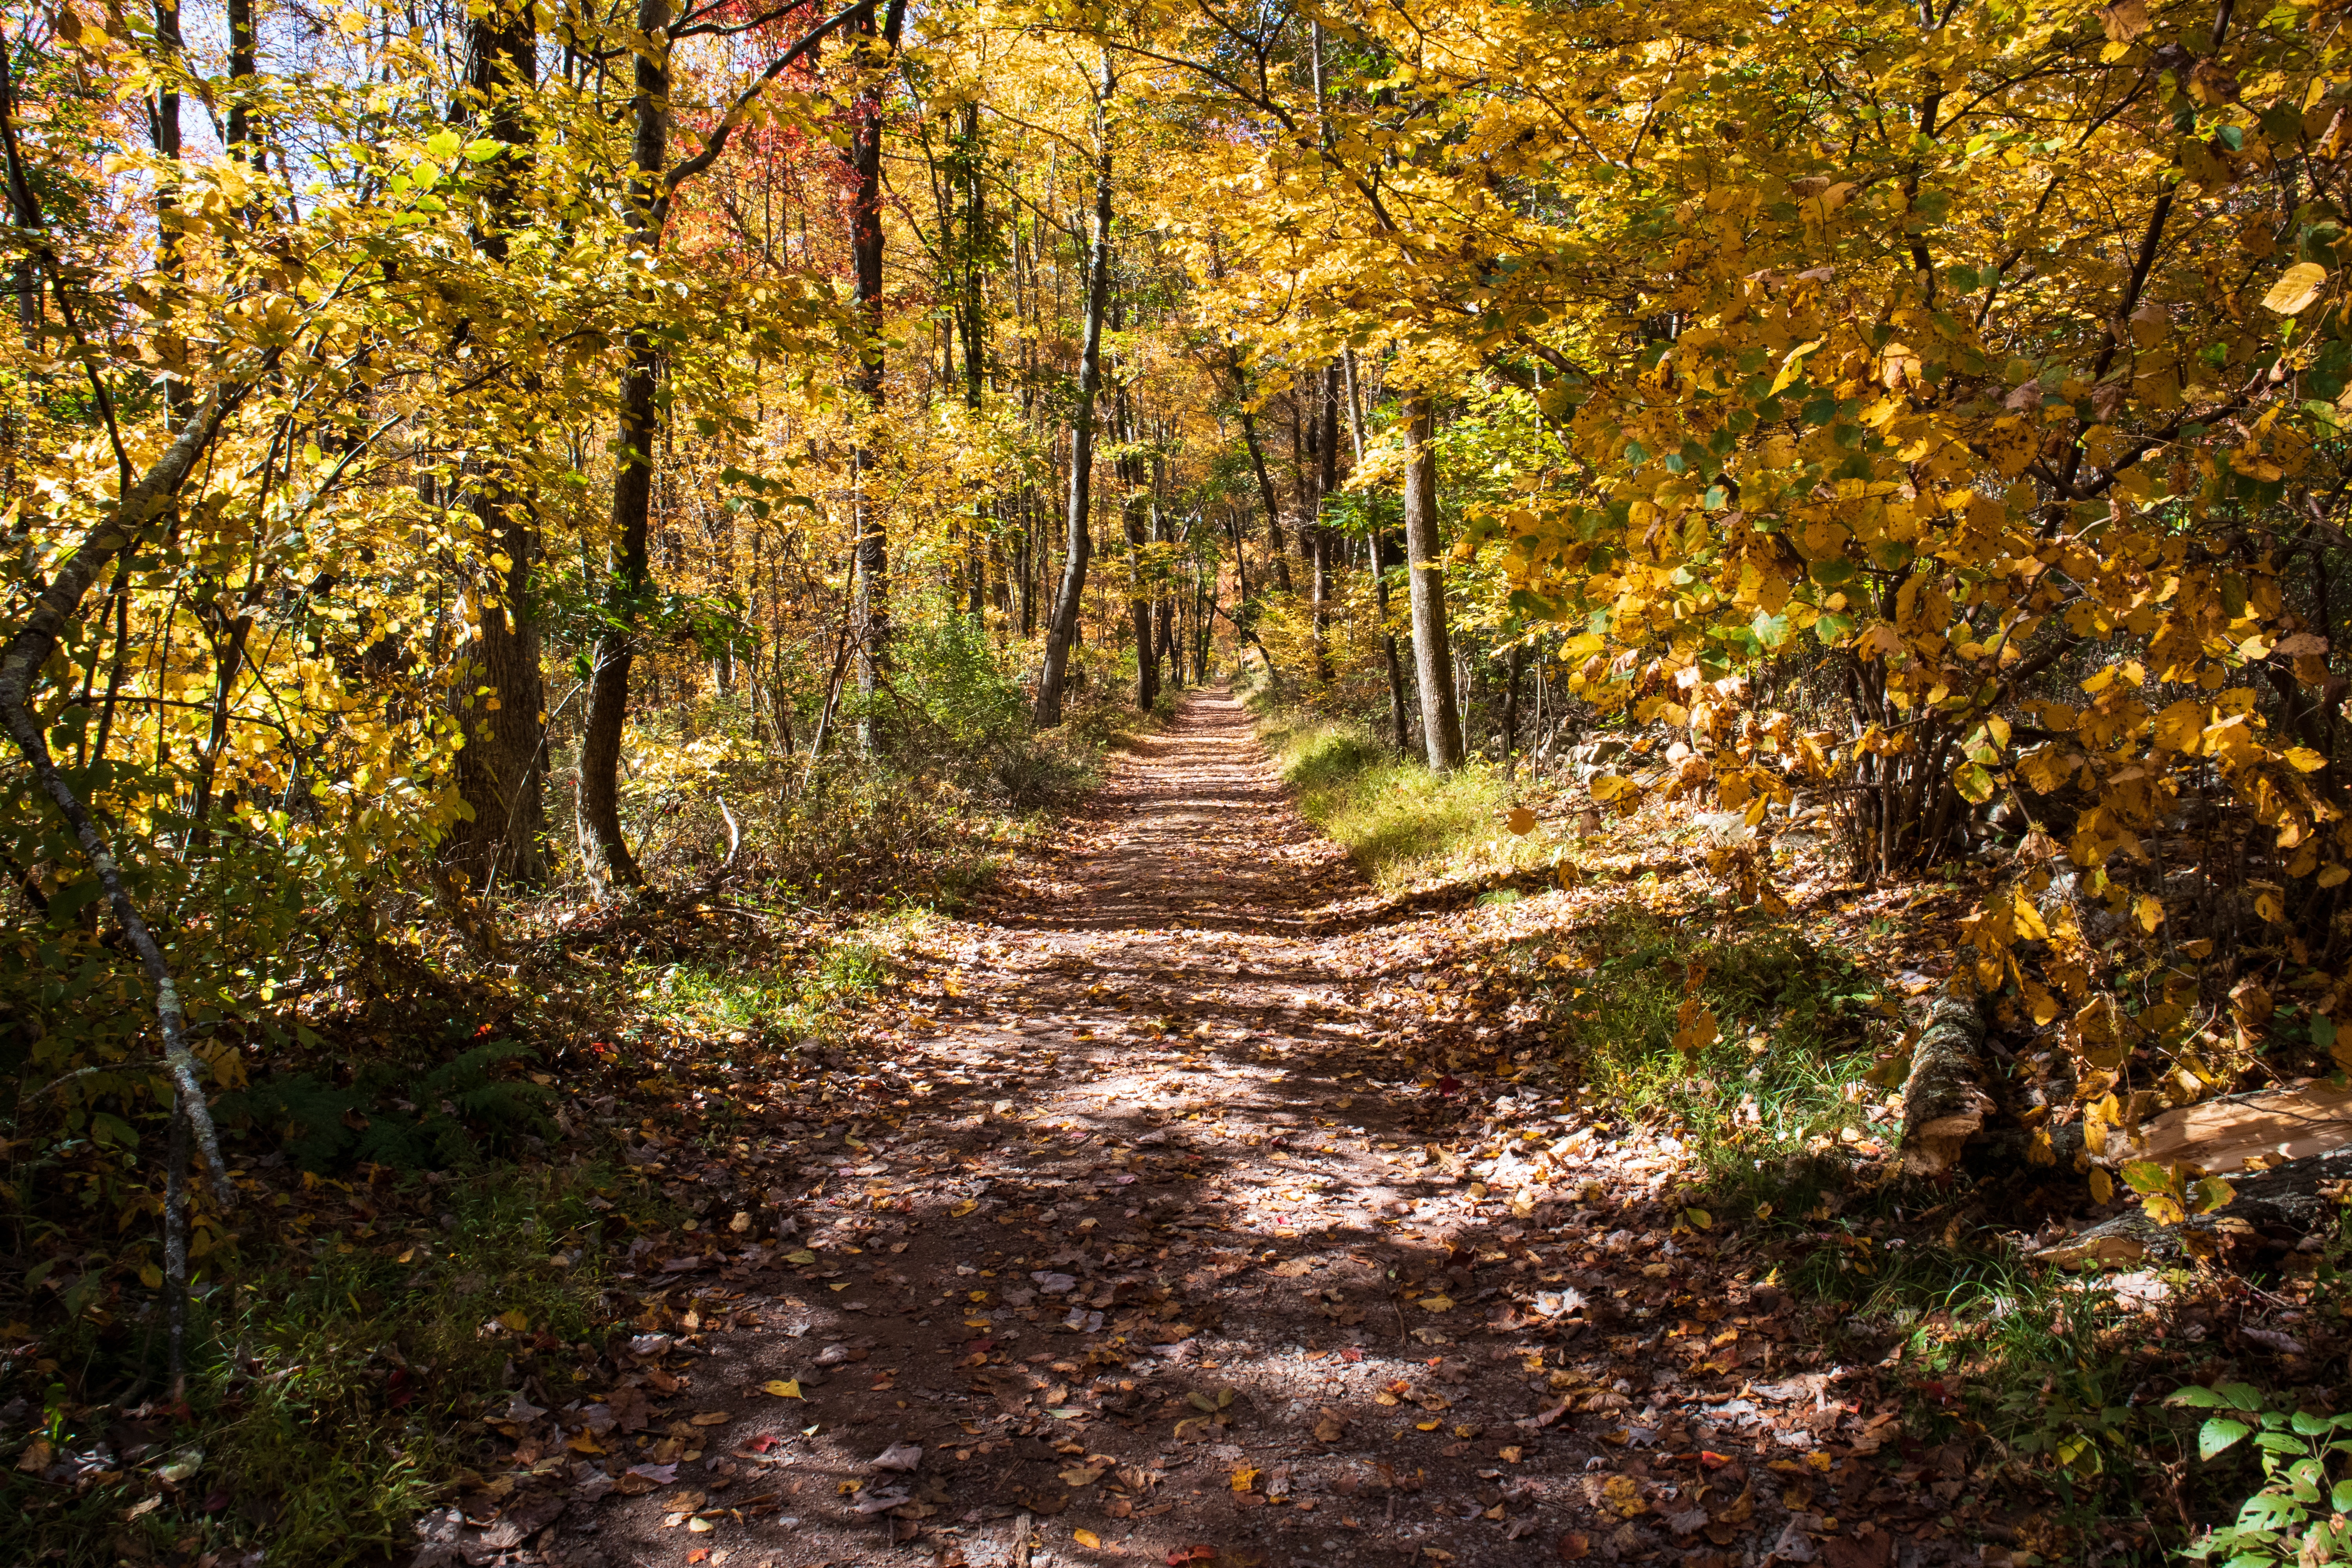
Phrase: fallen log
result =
(2276, 1207)
(1944, 1098)
(2272, 1126)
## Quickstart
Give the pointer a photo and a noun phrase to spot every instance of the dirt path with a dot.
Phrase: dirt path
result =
(1156, 1257)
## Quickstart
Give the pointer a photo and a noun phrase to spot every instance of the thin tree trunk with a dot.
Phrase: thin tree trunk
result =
(1515, 666)
(603, 850)
(1432, 660)
(1385, 557)
(873, 48)
(1138, 590)
(164, 131)
(1327, 479)
(1064, 629)
(1277, 545)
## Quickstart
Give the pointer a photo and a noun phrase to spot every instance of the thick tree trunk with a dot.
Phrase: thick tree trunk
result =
(1063, 630)
(1433, 658)
(603, 851)
(499, 695)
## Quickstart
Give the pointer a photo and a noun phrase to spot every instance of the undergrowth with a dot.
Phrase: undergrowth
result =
(1402, 825)
(2050, 1382)
(339, 1377)
(428, 1199)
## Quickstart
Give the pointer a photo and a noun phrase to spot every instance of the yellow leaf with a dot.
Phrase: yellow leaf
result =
(1086, 1538)
(783, 1387)
(709, 1417)
(1793, 366)
(2332, 875)
(2149, 911)
(1521, 821)
(515, 1320)
(1243, 1479)
(964, 1207)
(2179, 725)
(2297, 287)
(2103, 1186)
(1435, 1303)
(1623, 1494)
(2124, 20)
(1699, 1218)
(2303, 760)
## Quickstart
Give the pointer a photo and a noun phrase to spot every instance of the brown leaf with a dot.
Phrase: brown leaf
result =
(1874, 1551)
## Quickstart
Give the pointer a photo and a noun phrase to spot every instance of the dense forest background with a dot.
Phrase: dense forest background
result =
(489, 483)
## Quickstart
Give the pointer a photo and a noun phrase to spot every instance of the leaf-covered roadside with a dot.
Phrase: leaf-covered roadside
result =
(419, 1236)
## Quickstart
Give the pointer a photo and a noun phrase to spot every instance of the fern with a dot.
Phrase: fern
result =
(462, 1113)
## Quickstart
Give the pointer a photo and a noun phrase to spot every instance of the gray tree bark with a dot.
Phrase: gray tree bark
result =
(1432, 659)
(1062, 631)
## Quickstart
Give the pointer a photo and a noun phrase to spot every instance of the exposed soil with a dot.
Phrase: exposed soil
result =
(1182, 1243)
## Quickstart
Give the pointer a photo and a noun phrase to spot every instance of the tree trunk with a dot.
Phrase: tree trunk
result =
(1327, 479)
(1134, 500)
(1514, 666)
(1277, 545)
(499, 693)
(603, 851)
(1063, 630)
(164, 131)
(873, 49)
(1432, 660)
(241, 68)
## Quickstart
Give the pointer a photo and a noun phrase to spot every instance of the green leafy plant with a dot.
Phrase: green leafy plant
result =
(2298, 1514)
(460, 1109)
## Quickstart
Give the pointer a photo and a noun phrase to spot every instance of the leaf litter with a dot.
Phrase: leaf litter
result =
(1168, 1225)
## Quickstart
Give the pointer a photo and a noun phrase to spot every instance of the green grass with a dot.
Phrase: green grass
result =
(337, 1387)
(1401, 824)
(2029, 1367)
(801, 998)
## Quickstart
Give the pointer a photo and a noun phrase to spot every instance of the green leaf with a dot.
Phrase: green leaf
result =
(2196, 1396)
(2220, 1435)
(108, 1128)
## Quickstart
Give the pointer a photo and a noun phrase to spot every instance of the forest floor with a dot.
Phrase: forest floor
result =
(1176, 1234)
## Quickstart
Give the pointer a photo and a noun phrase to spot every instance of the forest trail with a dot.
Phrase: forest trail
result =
(1154, 1264)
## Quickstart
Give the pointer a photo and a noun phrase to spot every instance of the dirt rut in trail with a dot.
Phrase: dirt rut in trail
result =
(1147, 1263)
